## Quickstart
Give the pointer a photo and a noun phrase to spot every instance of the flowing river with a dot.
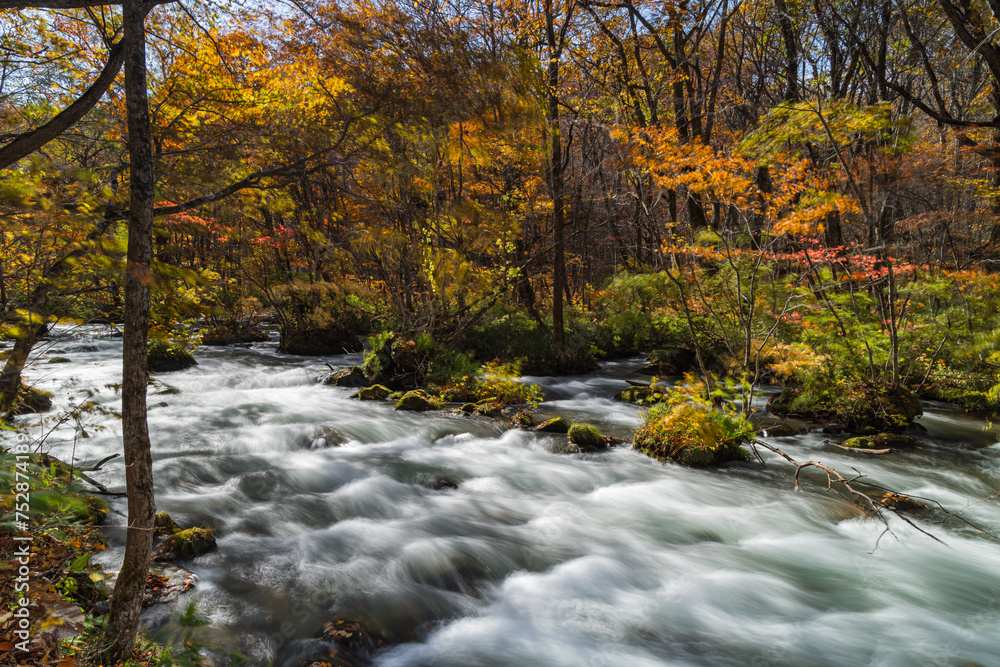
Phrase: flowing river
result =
(538, 557)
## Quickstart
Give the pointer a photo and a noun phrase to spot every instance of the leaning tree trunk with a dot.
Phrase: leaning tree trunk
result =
(126, 602)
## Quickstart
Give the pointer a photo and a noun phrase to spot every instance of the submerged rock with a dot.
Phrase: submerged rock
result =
(902, 503)
(554, 425)
(327, 437)
(185, 545)
(60, 360)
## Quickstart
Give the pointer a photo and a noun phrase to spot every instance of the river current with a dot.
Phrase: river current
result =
(538, 557)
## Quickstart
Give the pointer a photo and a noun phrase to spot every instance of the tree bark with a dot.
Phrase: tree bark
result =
(126, 602)
(556, 181)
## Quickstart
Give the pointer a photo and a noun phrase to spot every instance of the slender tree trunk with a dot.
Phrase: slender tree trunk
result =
(558, 189)
(126, 602)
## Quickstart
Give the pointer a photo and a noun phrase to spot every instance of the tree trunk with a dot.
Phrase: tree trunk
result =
(558, 188)
(126, 602)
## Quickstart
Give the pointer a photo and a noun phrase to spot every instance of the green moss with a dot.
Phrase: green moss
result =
(376, 392)
(186, 544)
(164, 357)
(417, 401)
(164, 525)
(60, 360)
(691, 434)
(554, 425)
(881, 441)
(586, 436)
(859, 407)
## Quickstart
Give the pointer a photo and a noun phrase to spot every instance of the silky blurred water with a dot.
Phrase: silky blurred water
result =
(538, 557)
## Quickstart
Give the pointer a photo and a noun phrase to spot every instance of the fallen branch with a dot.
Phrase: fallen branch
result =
(860, 450)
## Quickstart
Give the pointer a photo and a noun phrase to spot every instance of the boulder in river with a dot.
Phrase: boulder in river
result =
(859, 407)
(165, 357)
(31, 400)
(416, 401)
(554, 425)
(60, 360)
(376, 392)
(881, 441)
(352, 376)
(691, 434)
(586, 436)
(185, 545)
(164, 525)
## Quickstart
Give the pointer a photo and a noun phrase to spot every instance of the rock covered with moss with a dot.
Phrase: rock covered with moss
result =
(31, 400)
(186, 544)
(164, 525)
(881, 441)
(165, 357)
(586, 436)
(554, 425)
(861, 408)
(417, 401)
(376, 392)
(692, 434)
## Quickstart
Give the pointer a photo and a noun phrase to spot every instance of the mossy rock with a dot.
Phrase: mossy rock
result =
(416, 401)
(164, 357)
(693, 435)
(376, 392)
(554, 425)
(881, 441)
(311, 341)
(861, 408)
(352, 376)
(185, 545)
(31, 400)
(164, 525)
(60, 360)
(586, 436)
(468, 408)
